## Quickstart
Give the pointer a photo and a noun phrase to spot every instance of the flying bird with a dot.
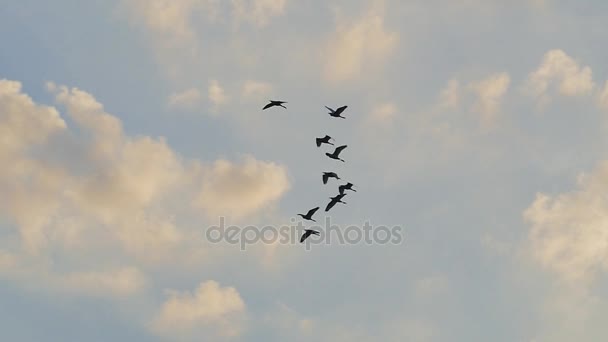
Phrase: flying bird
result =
(307, 233)
(309, 214)
(325, 140)
(334, 200)
(347, 186)
(328, 175)
(336, 113)
(274, 103)
(336, 153)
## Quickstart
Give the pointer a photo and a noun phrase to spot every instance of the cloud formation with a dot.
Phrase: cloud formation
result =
(559, 73)
(237, 190)
(187, 99)
(212, 310)
(569, 232)
(79, 192)
(358, 45)
(490, 92)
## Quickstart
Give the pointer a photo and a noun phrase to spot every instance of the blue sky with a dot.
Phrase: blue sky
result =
(129, 126)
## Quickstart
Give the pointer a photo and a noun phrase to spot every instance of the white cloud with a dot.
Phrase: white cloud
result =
(602, 98)
(187, 99)
(256, 90)
(79, 192)
(211, 311)
(170, 20)
(217, 95)
(569, 232)
(238, 190)
(384, 113)
(562, 72)
(358, 45)
(490, 92)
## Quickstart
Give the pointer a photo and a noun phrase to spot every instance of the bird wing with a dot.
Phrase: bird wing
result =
(278, 102)
(319, 141)
(306, 235)
(341, 189)
(325, 178)
(341, 109)
(331, 110)
(339, 149)
(312, 211)
(331, 204)
(327, 137)
(268, 106)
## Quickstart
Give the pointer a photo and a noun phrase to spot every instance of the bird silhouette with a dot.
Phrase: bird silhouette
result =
(336, 113)
(309, 214)
(347, 186)
(307, 233)
(336, 153)
(334, 200)
(324, 140)
(274, 103)
(328, 175)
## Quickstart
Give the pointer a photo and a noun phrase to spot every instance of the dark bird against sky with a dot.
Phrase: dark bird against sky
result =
(336, 153)
(307, 233)
(336, 113)
(325, 140)
(347, 186)
(334, 200)
(309, 214)
(328, 175)
(274, 103)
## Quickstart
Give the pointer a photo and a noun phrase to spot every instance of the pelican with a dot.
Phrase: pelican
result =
(307, 233)
(336, 153)
(309, 214)
(274, 103)
(324, 140)
(336, 113)
(334, 200)
(328, 175)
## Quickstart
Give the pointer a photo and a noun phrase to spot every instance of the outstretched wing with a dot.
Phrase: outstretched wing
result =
(312, 212)
(341, 189)
(306, 235)
(268, 106)
(339, 149)
(325, 178)
(341, 109)
(327, 137)
(331, 110)
(331, 204)
(319, 141)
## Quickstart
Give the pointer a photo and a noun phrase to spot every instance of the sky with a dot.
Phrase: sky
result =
(129, 127)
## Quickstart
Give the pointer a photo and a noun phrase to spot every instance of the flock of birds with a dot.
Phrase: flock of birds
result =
(326, 175)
